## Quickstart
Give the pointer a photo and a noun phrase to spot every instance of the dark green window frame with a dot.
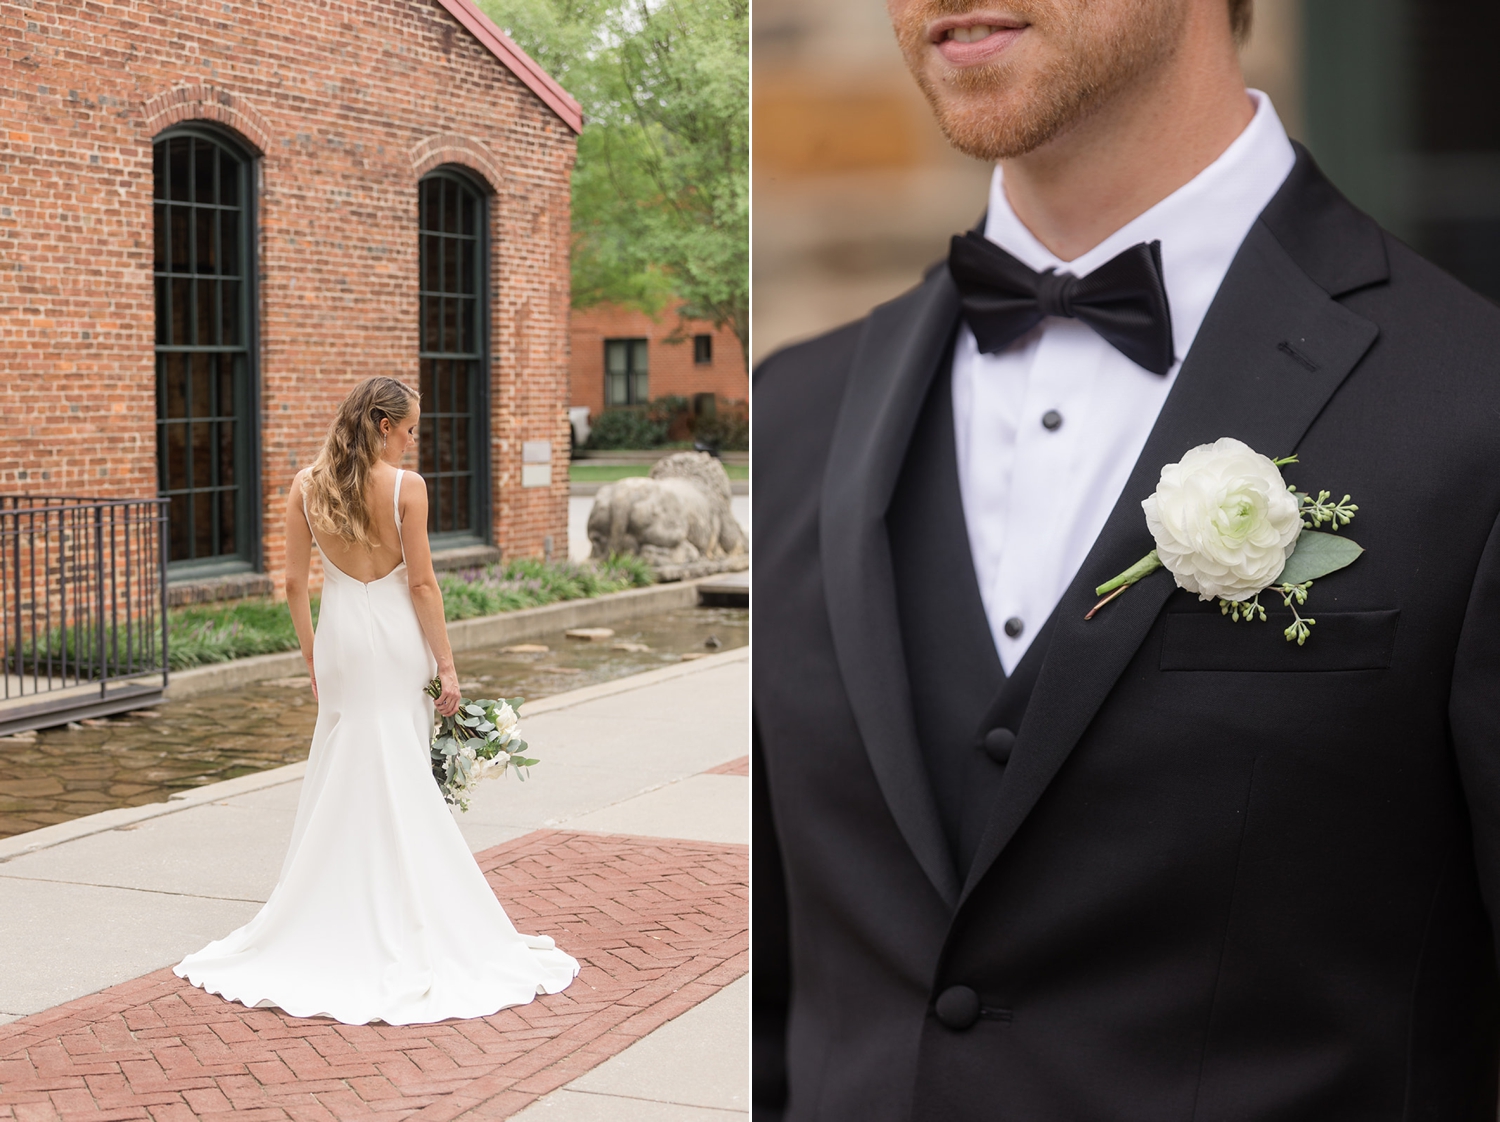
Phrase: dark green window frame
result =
(454, 354)
(627, 372)
(206, 363)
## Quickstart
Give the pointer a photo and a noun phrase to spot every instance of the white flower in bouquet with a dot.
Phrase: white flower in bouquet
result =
(505, 720)
(487, 765)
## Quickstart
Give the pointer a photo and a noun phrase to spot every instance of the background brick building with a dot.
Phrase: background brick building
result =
(610, 345)
(215, 218)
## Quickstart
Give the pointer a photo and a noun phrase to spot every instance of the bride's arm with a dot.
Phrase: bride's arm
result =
(299, 542)
(426, 596)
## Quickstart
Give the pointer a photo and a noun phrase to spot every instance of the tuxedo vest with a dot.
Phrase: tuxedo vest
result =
(965, 708)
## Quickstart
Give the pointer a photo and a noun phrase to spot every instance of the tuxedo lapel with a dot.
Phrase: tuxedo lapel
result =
(899, 353)
(1273, 349)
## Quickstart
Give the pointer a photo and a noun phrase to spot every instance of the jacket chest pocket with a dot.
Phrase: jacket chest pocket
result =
(1339, 641)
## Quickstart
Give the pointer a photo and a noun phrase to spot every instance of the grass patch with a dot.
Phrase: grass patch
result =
(207, 633)
(528, 583)
(608, 473)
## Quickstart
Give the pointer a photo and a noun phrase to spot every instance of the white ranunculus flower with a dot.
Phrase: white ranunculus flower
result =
(505, 719)
(1223, 520)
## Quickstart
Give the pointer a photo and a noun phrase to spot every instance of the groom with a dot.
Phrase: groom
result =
(1016, 863)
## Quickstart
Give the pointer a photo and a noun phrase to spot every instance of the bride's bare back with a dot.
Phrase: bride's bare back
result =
(385, 557)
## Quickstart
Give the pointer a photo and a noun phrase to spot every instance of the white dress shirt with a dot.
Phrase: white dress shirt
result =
(1035, 497)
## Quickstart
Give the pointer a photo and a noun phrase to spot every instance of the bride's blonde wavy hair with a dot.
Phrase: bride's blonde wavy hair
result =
(335, 485)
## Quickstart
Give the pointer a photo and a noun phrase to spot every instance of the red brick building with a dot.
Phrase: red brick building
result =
(624, 357)
(215, 218)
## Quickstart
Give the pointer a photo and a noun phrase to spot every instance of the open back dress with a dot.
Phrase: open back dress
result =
(380, 912)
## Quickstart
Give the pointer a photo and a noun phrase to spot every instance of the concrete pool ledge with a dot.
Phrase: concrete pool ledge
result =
(464, 634)
(48, 836)
(123, 817)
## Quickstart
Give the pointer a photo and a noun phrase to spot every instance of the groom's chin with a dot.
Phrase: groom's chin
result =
(994, 113)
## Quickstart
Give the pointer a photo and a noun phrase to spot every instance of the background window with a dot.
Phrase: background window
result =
(625, 372)
(204, 409)
(1403, 113)
(703, 349)
(453, 353)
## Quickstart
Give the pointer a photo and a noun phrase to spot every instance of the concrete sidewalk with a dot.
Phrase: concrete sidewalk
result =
(102, 900)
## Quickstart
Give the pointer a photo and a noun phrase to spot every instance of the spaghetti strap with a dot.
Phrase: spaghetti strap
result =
(399, 473)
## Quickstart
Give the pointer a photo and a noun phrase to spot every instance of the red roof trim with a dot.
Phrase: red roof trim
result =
(502, 47)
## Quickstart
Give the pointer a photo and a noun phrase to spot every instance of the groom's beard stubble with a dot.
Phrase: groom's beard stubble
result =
(1075, 55)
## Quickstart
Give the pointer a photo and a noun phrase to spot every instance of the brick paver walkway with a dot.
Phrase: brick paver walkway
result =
(658, 926)
(740, 766)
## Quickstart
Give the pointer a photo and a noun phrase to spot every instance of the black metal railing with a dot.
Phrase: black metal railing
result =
(83, 607)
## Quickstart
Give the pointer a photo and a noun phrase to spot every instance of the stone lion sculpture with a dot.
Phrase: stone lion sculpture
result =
(678, 518)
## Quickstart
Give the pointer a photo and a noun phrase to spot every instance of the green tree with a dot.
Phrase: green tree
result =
(661, 188)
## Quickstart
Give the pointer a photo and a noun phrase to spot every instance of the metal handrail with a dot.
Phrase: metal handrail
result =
(83, 606)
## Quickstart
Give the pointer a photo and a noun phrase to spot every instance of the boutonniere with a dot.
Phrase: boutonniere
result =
(1229, 527)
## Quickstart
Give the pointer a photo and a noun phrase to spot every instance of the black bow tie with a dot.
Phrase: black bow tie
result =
(1123, 300)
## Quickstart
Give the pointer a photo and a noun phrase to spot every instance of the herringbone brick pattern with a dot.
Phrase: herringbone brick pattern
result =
(658, 926)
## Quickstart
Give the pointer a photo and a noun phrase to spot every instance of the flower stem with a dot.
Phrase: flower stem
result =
(1106, 600)
(1144, 567)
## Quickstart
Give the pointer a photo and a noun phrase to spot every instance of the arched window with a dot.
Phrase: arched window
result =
(454, 354)
(204, 348)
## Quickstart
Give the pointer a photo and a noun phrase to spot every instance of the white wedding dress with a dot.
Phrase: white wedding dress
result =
(380, 912)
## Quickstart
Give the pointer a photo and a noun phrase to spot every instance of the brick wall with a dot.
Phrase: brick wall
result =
(671, 365)
(347, 104)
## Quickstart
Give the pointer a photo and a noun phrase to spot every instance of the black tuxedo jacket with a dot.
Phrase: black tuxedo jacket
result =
(1223, 877)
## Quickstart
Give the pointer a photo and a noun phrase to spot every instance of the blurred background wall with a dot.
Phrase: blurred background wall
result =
(856, 191)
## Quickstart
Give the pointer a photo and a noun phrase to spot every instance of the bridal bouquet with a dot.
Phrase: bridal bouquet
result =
(482, 739)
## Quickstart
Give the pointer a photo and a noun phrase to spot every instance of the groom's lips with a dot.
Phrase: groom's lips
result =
(981, 37)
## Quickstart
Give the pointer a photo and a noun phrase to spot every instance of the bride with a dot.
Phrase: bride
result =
(380, 912)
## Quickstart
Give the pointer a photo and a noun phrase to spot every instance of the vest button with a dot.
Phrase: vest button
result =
(998, 744)
(957, 1007)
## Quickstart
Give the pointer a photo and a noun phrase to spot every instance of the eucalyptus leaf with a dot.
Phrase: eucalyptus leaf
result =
(1318, 554)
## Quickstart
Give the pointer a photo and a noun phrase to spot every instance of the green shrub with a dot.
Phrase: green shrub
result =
(626, 428)
(642, 426)
(728, 429)
(529, 583)
(205, 633)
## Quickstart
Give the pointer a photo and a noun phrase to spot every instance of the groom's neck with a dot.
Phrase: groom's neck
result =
(1134, 149)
